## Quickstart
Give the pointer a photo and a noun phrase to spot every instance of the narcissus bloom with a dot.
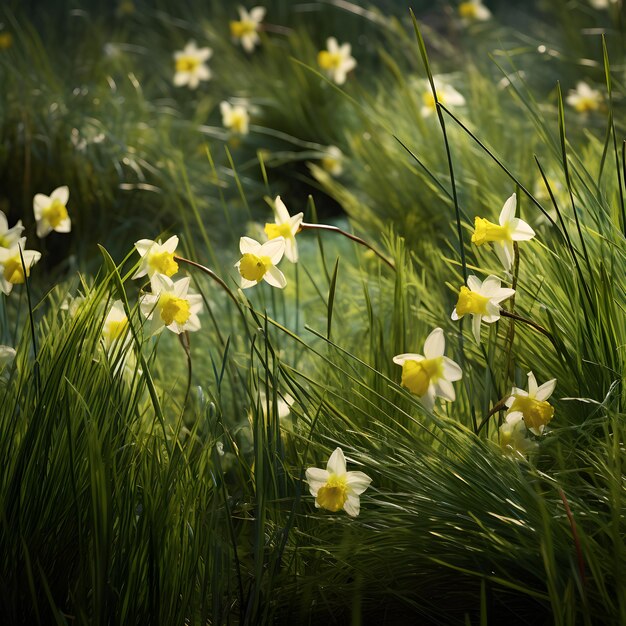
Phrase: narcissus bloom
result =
(190, 67)
(446, 94)
(503, 234)
(332, 161)
(473, 11)
(115, 326)
(584, 98)
(287, 227)
(171, 305)
(259, 262)
(482, 300)
(334, 488)
(156, 257)
(432, 374)
(11, 270)
(51, 212)
(532, 405)
(514, 437)
(7, 354)
(246, 29)
(336, 60)
(9, 236)
(235, 118)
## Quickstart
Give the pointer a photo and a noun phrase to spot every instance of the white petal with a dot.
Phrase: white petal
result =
(545, 391)
(474, 283)
(490, 286)
(4, 224)
(62, 194)
(159, 283)
(257, 14)
(455, 315)
(401, 358)
(476, 327)
(274, 249)
(181, 287)
(358, 482)
(508, 210)
(43, 229)
(352, 506)
(291, 250)
(295, 222)
(143, 245)
(40, 202)
(445, 390)
(428, 399)
(501, 294)
(532, 385)
(280, 210)
(244, 283)
(247, 245)
(316, 478)
(65, 226)
(332, 45)
(521, 231)
(170, 244)
(504, 251)
(337, 462)
(451, 370)
(435, 344)
(275, 278)
(180, 79)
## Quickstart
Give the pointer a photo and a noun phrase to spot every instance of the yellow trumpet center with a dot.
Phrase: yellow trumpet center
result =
(243, 28)
(586, 103)
(14, 272)
(114, 330)
(468, 10)
(485, 231)
(471, 302)
(329, 60)
(173, 309)
(417, 375)
(537, 413)
(333, 495)
(253, 267)
(278, 230)
(163, 263)
(238, 122)
(187, 63)
(54, 213)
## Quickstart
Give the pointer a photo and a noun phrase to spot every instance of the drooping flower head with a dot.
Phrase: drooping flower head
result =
(286, 226)
(503, 234)
(51, 212)
(171, 305)
(259, 262)
(11, 269)
(190, 65)
(235, 117)
(246, 30)
(584, 98)
(334, 488)
(336, 60)
(482, 300)
(332, 161)
(9, 236)
(514, 437)
(446, 94)
(532, 405)
(156, 257)
(432, 374)
(473, 11)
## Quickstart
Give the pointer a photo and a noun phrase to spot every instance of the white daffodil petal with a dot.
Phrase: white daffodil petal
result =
(435, 344)
(508, 210)
(274, 277)
(451, 370)
(62, 194)
(445, 390)
(247, 245)
(274, 249)
(474, 283)
(545, 391)
(476, 327)
(402, 358)
(352, 506)
(280, 210)
(337, 462)
(358, 482)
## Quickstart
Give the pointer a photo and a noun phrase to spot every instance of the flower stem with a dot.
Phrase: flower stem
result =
(519, 318)
(212, 274)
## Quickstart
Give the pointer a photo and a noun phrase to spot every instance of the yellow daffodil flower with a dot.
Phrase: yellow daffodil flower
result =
(171, 305)
(514, 437)
(11, 270)
(336, 60)
(482, 300)
(432, 374)
(503, 234)
(287, 227)
(446, 94)
(332, 161)
(115, 327)
(246, 30)
(473, 11)
(9, 236)
(235, 118)
(156, 257)
(532, 405)
(584, 98)
(51, 212)
(259, 262)
(334, 488)
(190, 65)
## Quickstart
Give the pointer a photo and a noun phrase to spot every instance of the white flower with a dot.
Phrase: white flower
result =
(532, 405)
(190, 67)
(259, 262)
(446, 94)
(235, 118)
(283, 404)
(336, 60)
(287, 227)
(432, 374)
(334, 488)
(509, 229)
(514, 436)
(332, 161)
(115, 327)
(602, 4)
(51, 212)
(72, 304)
(156, 257)
(171, 305)
(482, 300)
(473, 11)
(9, 236)
(246, 29)
(584, 98)
(11, 270)
(7, 354)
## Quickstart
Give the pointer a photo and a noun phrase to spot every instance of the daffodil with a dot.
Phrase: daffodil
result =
(115, 327)
(51, 212)
(432, 374)
(532, 405)
(584, 98)
(336, 60)
(11, 269)
(235, 117)
(246, 29)
(602, 4)
(6, 40)
(482, 300)
(7, 354)
(156, 257)
(287, 227)
(446, 94)
(171, 305)
(332, 161)
(259, 262)
(473, 11)
(514, 437)
(190, 65)
(334, 488)
(9, 236)
(503, 234)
